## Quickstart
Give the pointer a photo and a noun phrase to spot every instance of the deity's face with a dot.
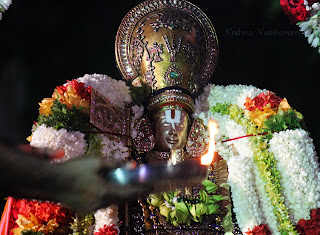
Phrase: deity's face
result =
(171, 130)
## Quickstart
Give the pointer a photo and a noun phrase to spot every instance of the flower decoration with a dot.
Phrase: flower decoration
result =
(74, 93)
(263, 100)
(64, 124)
(108, 230)
(44, 217)
(311, 226)
(64, 121)
(304, 13)
(261, 229)
(295, 9)
(263, 106)
(273, 167)
(106, 221)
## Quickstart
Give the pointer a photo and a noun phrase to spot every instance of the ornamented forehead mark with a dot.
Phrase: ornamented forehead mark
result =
(173, 117)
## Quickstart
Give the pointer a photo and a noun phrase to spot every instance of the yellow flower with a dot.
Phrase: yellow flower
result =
(30, 138)
(284, 106)
(45, 106)
(32, 223)
(258, 116)
(71, 97)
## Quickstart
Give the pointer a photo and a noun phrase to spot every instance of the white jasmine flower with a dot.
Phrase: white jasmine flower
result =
(298, 164)
(72, 142)
(116, 91)
(233, 94)
(112, 150)
(107, 216)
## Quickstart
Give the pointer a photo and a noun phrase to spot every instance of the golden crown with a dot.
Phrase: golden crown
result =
(167, 45)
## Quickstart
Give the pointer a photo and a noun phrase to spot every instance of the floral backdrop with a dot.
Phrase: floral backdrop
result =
(258, 43)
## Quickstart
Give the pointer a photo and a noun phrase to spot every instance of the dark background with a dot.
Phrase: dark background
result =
(45, 43)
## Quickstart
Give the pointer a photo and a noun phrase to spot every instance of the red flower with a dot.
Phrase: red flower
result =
(295, 9)
(285, 6)
(261, 229)
(44, 211)
(262, 100)
(311, 226)
(108, 230)
(79, 87)
(61, 89)
(298, 13)
(296, 2)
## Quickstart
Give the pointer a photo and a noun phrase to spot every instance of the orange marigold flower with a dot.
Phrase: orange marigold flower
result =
(45, 106)
(71, 98)
(259, 116)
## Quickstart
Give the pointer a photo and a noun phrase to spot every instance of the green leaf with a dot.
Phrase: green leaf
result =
(74, 119)
(212, 208)
(192, 210)
(166, 196)
(155, 199)
(201, 209)
(182, 207)
(164, 210)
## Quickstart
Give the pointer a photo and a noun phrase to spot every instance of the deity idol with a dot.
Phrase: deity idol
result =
(167, 51)
(170, 50)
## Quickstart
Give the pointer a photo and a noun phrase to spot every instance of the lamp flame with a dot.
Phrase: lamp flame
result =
(207, 158)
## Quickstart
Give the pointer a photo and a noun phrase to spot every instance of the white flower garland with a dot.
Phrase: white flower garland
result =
(115, 90)
(106, 217)
(72, 142)
(300, 173)
(293, 150)
(241, 177)
(232, 94)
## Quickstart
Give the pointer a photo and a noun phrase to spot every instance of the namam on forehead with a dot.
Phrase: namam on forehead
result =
(171, 130)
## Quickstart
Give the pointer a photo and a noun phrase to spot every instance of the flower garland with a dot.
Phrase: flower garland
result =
(64, 123)
(72, 142)
(301, 190)
(106, 221)
(263, 113)
(312, 226)
(42, 217)
(182, 211)
(305, 13)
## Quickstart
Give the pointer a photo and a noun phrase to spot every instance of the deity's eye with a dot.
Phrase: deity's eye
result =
(180, 125)
(166, 124)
